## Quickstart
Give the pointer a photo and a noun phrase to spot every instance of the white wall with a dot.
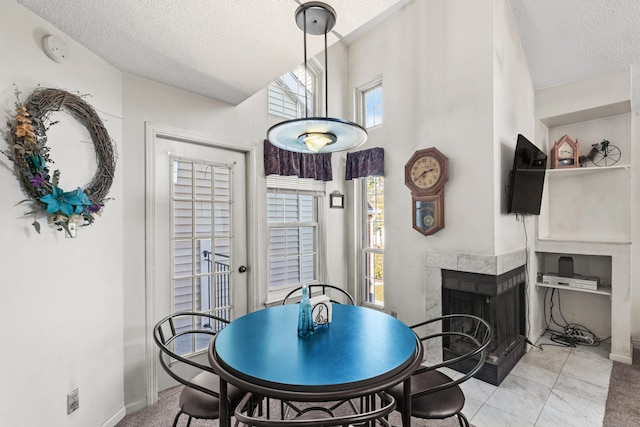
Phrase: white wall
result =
(61, 309)
(243, 127)
(514, 108)
(446, 86)
(88, 294)
(635, 230)
(514, 102)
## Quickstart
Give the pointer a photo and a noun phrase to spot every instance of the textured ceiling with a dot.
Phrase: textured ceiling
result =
(224, 49)
(565, 40)
(230, 49)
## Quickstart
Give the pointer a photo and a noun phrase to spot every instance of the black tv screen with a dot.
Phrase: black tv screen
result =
(527, 178)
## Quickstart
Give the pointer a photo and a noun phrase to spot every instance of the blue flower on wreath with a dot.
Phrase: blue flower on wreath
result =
(37, 161)
(66, 202)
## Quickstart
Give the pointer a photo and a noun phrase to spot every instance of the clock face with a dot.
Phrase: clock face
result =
(565, 151)
(426, 172)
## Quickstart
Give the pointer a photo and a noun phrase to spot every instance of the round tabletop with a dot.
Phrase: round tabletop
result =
(360, 346)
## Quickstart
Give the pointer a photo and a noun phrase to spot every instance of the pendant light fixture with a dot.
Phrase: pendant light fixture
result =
(316, 134)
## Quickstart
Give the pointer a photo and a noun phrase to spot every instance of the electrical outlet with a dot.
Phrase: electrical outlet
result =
(73, 401)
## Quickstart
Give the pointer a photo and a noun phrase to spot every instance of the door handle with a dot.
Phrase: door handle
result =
(242, 269)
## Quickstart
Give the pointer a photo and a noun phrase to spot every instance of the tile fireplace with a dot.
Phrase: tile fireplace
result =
(500, 300)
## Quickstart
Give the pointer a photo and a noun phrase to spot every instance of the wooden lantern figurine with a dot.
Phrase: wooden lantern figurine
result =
(565, 153)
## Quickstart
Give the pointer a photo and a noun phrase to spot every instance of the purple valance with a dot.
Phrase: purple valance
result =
(365, 163)
(287, 163)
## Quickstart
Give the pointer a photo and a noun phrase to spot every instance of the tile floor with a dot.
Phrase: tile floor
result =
(555, 386)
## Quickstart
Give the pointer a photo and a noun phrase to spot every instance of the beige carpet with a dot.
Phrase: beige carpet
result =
(163, 412)
(623, 401)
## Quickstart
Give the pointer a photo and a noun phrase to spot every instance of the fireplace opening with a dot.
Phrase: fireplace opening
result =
(500, 300)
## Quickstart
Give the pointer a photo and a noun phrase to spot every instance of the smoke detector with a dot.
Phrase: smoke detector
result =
(55, 48)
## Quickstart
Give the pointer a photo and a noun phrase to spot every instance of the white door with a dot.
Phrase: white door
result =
(199, 231)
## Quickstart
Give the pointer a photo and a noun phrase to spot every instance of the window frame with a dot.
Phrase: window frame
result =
(295, 185)
(316, 71)
(364, 250)
(362, 91)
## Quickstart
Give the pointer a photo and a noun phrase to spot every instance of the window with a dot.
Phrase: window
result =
(294, 222)
(373, 240)
(372, 105)
(287, 94)
(201, 243)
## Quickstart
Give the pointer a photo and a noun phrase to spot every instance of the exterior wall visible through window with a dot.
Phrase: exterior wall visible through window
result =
(286, 96)
(293, 238)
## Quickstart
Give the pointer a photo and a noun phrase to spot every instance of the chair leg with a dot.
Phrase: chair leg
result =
(462, 420)
(189, 421)
(175, 420)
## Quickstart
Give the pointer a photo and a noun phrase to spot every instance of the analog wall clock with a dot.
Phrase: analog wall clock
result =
(428, 213)
(426, 172)
(565, 153)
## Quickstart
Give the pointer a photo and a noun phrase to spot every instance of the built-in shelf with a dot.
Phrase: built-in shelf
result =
(590, 169)
(600, 291)
(583, 240)
(586, 211)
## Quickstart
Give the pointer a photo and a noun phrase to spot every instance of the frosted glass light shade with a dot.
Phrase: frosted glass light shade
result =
(290, 135)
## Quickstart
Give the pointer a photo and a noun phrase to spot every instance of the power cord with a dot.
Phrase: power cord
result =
(570, 334)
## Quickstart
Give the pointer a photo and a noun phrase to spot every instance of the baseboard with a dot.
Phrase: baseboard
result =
(115, 418)
(623, 359)
(136, 405)
(122, 412)
(635, 342)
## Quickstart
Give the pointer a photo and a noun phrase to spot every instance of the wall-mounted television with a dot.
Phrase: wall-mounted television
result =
(526, 180)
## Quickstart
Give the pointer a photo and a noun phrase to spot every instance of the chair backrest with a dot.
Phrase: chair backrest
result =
(336, 295)
(469, 334)
(180, 328)
(245, 415)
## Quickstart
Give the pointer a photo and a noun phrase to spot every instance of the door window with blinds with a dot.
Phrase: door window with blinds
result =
(294, 234)
(201, 238)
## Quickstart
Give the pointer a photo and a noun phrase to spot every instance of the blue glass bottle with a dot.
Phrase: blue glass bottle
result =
(305, 321)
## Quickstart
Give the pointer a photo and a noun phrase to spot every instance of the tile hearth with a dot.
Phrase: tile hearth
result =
(549, 387)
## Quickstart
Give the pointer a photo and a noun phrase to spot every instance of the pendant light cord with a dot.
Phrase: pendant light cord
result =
(326, 72)
(306, 72)
(306, 69)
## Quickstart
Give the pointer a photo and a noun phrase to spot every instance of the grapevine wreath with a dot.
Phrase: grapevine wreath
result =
(31, 157)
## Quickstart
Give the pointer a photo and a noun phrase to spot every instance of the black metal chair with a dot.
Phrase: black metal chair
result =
(200, 396)
(435, 395)
(336, 295)
(245, 414)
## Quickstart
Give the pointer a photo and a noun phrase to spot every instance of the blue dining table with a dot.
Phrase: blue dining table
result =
(362, 351)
